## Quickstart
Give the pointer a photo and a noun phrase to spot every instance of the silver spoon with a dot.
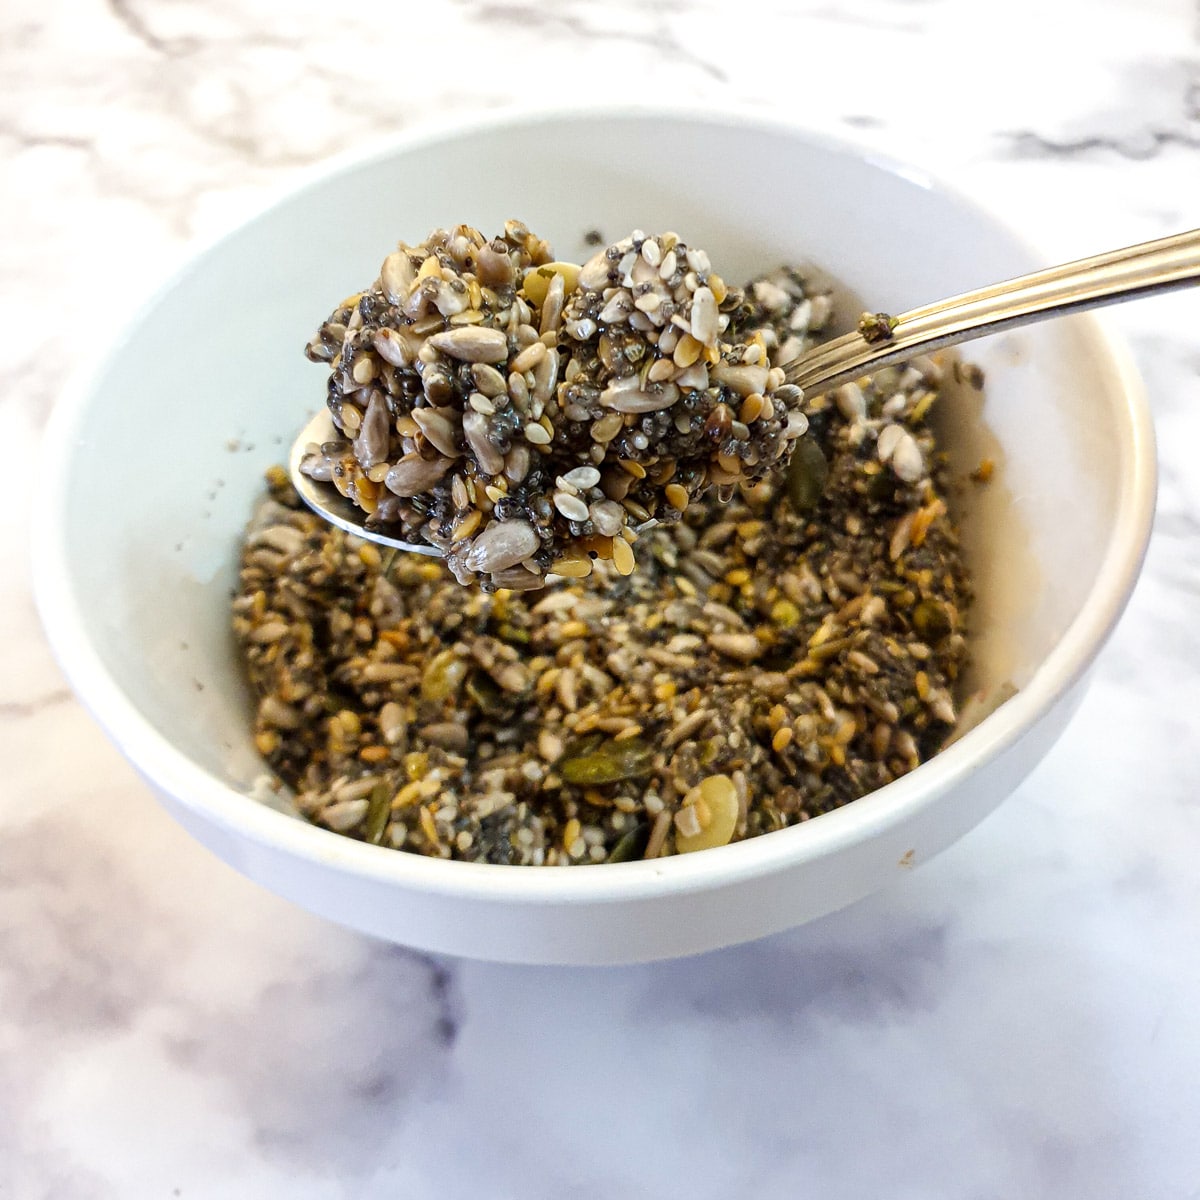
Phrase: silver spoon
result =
(1127, 274)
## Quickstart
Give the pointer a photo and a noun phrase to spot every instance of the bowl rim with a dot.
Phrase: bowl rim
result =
(868, 818)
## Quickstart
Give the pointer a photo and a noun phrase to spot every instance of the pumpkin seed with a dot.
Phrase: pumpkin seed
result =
(932, 620)
(716, 797)
(378, 810)
(610, 762)
(486, 693)
(537, 281)
(807, 475)
(631, 845)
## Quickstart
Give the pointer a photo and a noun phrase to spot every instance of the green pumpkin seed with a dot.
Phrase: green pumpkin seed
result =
(830, 649)
(487, 693)
(632, 845)
(609, 763)
(378, 811)
(881, 487)
(807, 475)
(932, 620)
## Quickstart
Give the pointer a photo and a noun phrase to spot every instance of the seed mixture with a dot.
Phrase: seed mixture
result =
(526, 415)
(772, 657)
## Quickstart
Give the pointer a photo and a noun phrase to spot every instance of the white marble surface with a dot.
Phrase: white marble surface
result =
(1019, 1018)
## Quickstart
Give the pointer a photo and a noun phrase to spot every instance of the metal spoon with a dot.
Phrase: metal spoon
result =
(1126, 274)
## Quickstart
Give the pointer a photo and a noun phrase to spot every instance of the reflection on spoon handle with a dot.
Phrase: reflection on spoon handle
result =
(1127, 274)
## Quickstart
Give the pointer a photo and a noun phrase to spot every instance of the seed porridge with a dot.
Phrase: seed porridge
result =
(777, 652)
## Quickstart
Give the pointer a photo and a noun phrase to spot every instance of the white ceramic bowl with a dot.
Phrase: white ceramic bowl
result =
(154, 467)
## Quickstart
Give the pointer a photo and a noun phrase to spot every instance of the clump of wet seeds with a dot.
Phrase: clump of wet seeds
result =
(528, 416)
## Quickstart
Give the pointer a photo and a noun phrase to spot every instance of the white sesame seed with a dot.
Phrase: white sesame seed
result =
(582, 477)
(570, 506)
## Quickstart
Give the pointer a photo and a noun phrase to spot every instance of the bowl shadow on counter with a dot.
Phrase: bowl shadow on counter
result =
(846, 1046)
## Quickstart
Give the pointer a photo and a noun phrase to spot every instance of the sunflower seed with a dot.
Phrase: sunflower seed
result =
(488, 380)
(413, 474)
(471, 343)
(627, 396)
(502, 544)
(397, 275)
(371, 444)
(743, 646)
(529, 357)
(476, 430)
(594, 273)
(517, 463)
(907, 460)
(449, 735)
(390, 347)
(704, 317)
(438, 425)
(545, 376)
(617, 309)
(745, 380)
(552, 306)
(851, 402)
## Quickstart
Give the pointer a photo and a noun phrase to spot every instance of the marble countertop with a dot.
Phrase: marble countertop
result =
(1019, 1018)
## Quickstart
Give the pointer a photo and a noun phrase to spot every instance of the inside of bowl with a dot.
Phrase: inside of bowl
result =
(205, 395)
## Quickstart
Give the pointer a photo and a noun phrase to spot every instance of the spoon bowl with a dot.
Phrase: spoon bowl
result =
(327, 502)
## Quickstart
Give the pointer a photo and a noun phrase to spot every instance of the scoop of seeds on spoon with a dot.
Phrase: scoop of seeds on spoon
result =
(525, 417)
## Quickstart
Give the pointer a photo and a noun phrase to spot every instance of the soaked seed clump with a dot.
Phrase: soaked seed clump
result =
(772, 657)
(527, 416)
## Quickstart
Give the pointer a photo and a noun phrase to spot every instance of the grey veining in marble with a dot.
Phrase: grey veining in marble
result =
(1020, 1018)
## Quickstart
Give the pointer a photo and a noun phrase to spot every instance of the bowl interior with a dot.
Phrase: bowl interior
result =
(167, 451)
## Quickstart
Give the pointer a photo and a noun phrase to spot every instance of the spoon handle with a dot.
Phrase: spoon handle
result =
(1127, 274)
